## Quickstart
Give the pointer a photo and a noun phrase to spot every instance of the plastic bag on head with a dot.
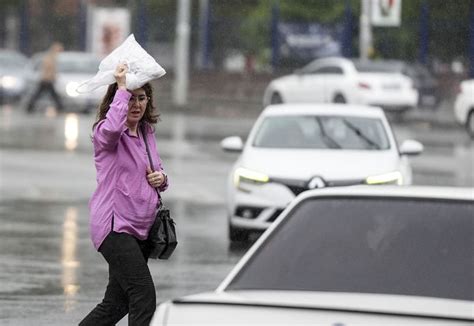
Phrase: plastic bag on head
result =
(142, 68)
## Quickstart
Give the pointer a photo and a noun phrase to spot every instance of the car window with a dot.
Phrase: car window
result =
(328, 70)
(76, 64)
(35, 62)
(385, 246)
(316, 68)
(377, 67)
(13, 60)
(322, 132)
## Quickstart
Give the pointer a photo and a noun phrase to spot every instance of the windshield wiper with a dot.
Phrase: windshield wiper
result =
(331, 143)
(360, 134)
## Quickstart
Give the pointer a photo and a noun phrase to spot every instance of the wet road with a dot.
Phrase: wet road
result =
(49, 271)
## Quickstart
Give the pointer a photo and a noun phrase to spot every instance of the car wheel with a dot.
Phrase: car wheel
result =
(396, 117)
(470, 124)
(339, 99)
(236, 234)
(276, 99)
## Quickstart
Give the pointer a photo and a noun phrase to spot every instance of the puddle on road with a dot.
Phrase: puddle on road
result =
(38, 249)
(46, 253)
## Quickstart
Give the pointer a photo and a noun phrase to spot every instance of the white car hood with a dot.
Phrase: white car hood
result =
(342, 302)
(331, 165)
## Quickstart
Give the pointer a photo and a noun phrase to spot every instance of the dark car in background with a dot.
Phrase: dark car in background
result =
(423, 80)
(14, 71)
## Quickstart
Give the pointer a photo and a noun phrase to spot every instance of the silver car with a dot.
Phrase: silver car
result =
(73, 68)
(14, 71)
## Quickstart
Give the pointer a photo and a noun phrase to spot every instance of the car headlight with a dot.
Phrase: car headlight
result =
(249, 176)
(71, 89)
(10, 82)
(394, 177)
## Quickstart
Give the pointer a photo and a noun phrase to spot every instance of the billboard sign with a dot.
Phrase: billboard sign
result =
(386, 12)
(108, 28)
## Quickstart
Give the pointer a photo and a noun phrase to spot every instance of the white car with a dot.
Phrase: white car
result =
(341, 80)
(464, 106)
(13, 75)
(295, 147)
(350, 256)
(72, 69)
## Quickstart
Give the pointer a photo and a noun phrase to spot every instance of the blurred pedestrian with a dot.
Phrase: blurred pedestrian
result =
(48, 77)
(123, 206)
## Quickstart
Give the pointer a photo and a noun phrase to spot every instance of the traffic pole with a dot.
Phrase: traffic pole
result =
(365, 34)
(181, 66)
(471, 41)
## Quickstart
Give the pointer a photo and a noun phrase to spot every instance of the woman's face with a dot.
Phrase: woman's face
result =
(136, 106)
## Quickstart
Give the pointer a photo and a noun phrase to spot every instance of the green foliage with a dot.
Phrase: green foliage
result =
(323, 11)
(448, 31)
(448, 25)
(10, 4)
(245, 24)
(255, 28)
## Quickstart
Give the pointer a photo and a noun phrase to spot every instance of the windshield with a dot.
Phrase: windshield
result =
(322, 132)
(378, 66)
(11, 60)
(386, 246)
(78, 64)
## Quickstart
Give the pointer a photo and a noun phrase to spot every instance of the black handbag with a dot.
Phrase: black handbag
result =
(162, 236)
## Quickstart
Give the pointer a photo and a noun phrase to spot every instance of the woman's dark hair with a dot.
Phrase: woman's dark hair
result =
(150, 115)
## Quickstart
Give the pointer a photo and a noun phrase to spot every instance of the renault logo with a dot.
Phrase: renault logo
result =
(316, 182)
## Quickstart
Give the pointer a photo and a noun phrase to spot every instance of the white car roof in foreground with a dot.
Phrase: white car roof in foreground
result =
(435, 192)
(370, 303)
(324, 109)
(366, 307)
(427, 192)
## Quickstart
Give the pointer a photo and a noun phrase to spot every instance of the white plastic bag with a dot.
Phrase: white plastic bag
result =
(141, 67)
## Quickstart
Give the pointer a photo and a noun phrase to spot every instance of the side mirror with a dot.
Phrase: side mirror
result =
(411, 147)
(232, 144)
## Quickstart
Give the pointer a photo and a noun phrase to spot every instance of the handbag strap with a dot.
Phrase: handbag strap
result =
(142, 128)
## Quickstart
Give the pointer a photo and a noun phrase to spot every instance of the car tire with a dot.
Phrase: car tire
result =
(470, 123)
(238, 235)
(276, 98)
(339, 99)
(396, 117)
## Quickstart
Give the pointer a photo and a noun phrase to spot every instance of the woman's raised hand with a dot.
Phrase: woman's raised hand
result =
(119, 75)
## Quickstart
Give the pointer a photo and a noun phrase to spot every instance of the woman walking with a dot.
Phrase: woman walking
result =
(122, 209)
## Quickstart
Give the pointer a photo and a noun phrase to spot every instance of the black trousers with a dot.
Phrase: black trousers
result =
(48, 87)
(130, 289)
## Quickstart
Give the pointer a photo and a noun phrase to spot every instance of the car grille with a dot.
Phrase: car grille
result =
(296, 186)
(248, 212)
(297, 190)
